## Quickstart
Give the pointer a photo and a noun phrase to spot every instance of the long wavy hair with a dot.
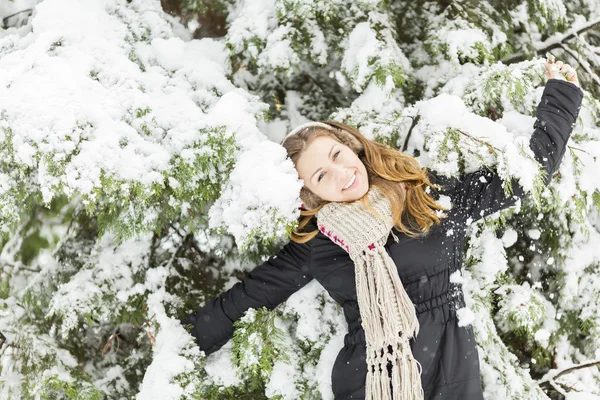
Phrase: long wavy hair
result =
(413, 209)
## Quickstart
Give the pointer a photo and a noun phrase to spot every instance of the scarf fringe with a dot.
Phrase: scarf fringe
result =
(405, 374)
(389, 318)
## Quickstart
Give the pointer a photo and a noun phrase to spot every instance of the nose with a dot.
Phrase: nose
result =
(343, 174)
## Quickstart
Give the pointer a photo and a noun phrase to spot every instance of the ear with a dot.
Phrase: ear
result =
(349, 140)
(309, 199)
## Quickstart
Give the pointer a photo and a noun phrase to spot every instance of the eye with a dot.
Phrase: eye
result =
(322, 174)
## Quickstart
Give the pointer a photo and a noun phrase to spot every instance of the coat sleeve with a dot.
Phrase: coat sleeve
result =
(480, 193)
(267, 285)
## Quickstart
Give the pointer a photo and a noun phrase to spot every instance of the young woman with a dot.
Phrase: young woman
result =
(373, 236)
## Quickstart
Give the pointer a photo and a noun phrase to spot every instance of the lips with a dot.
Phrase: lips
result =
(353, 185)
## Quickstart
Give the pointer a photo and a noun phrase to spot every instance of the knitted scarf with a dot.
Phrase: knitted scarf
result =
(388, 315)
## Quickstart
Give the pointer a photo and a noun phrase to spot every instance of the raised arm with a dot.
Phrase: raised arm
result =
(480, 193)
(267, 285)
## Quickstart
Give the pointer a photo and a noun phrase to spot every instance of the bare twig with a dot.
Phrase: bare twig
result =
(551, 377)
(577, 367)
(146, 325)
(21, 266)
(109, 343)
(414, 123)
(152, 339)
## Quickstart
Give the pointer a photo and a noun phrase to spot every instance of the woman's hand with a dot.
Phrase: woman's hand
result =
(560, 70)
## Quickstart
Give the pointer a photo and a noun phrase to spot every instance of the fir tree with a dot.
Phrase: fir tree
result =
(140, 176)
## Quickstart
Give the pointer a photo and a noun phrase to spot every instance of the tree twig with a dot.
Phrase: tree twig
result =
(414, 123)
(489, 146)
(552, 43)
(577, 148)
(551, 377)
(5, 19)
(582, 62)
(189, 237)
(594, 34)
(109, 342)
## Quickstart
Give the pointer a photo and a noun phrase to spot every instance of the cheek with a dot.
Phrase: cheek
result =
(363, 171)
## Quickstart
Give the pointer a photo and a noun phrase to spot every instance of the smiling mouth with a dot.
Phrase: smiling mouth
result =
(351, 183)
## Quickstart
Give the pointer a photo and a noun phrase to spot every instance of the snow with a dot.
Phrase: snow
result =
(102, 99)
(244, 201)
(362, 47)
(168, 361)
(582, 396)
(322, 372)
(220, 368)
(169, 53)
(509, 237)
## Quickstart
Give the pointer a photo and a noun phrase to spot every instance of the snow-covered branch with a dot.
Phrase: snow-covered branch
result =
(553, 42)
(551, 376)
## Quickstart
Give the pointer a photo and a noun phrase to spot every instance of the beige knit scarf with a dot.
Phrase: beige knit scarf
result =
(388, 315)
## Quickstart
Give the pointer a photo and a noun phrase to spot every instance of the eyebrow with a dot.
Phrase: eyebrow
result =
(320, 168)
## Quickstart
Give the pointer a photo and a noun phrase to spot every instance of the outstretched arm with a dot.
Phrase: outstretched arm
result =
(267, 285)
(481, 193)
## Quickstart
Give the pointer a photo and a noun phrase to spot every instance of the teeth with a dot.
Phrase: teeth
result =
(351, 182)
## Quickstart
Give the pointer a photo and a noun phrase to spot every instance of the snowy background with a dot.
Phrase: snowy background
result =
(141, 175)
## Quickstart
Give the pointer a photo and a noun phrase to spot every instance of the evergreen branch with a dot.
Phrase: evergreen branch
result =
(593, 50)
(489, 146)
(577, 148)
(5, 19)
(558, 387)
(146, 326)
(582, 62)
(4, 342)
(552, 43)
(594, 34)
(20, 265)
(551, 376)
(189, 237)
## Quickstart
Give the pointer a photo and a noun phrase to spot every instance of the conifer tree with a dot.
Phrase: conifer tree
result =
(141, 175)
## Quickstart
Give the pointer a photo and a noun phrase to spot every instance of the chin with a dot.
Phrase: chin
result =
(358, 195)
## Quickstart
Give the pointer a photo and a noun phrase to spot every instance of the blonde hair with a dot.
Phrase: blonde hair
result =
(413, 210)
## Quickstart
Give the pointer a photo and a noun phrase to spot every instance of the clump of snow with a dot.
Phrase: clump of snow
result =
(220, 368)
(171, 354)
(362, 48)
(509, 237)
(250, 196)
(465, 316)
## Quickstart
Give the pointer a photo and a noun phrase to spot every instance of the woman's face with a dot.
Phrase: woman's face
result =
(332, 171)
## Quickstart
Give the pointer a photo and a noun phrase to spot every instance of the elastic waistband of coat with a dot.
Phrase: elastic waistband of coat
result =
(445, 305)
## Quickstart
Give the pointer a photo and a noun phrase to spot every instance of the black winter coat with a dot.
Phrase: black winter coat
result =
(446, 352)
